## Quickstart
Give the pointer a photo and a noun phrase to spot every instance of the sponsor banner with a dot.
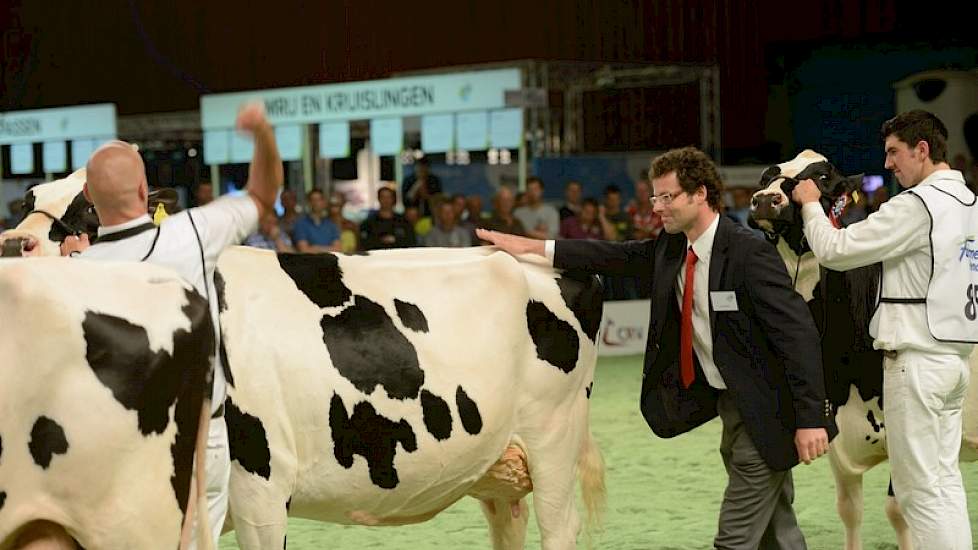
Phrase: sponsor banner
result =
(624, 328)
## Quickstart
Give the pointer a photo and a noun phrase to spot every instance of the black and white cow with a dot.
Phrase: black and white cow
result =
(379, 389)
(104, 372)
(842, 304)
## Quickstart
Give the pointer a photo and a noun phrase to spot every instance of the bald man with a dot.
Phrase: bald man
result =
(189, 243)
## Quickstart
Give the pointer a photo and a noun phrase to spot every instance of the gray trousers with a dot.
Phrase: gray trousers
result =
(756, 513)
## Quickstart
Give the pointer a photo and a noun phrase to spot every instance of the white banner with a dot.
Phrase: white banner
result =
(62, 123)
(437, 133)
(289, 141)
(55, 156)
(506, 128)
(392, 97)
(387, 136)
(242, 147)
(624, 327)
(22, 158)
(334, 140)
(472, 131)
(81, 149)
(217, 147)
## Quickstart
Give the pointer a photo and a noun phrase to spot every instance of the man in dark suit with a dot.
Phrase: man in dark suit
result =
(742, 345)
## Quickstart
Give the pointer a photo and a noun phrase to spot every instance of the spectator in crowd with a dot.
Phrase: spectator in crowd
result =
(615, 214)
(386, 228)
(204, 193)
(291, 212)
(502, 218)
(590, 223)
(420, 188)
(447, 232)
(521, 199)
(314, 232)
(646, 224)
(880, 196)
(473, 216)
(740, 211)
(421, 224)
(349, 231)
(269, 235)
(572, 200)
(540, 220)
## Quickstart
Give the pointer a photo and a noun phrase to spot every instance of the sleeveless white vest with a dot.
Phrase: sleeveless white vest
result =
(952, 295)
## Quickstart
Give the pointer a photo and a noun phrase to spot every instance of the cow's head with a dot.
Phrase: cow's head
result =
(772, 209)
(57, 209)
(53, 211)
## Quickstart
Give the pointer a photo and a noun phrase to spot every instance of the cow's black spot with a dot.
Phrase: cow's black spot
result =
(367, 349)
(1, 447)
(47, 439)
(468, 412)
(288, 505)
(248, 441)
(556, 340)
(584, 296)
(411, 316)
(3, 498)
(371, 436)
(437, 415)
(588, 389)
(872, 421)
(222, 306)
(867, 438)
(318, 276)
(79, 216)
(29, 203)
(140, 379)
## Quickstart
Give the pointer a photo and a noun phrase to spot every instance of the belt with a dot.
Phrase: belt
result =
(219, 412)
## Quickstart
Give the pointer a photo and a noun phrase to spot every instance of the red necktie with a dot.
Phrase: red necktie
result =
(686, 332)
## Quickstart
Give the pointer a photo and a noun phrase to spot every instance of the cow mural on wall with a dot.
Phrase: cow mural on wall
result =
(379, 389)
(842, 305)
(103, 393)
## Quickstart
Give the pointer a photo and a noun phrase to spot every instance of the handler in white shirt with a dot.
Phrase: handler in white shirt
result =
(189, 243)
(925, 378)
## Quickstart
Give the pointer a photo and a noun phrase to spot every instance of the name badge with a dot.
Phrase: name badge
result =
(724, 300)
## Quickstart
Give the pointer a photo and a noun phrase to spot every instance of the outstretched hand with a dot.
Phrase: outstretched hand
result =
(513, 244)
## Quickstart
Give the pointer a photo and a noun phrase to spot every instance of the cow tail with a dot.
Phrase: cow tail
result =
(205, 540)
(590, 468)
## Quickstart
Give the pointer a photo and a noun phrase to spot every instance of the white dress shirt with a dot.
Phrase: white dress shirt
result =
(702, 332)
(898, 235)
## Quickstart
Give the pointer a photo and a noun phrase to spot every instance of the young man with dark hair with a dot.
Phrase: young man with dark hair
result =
(386, 228)
(728, 336)
(925, 322)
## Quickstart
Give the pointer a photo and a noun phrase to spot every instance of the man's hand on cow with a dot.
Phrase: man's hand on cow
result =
(251, 117)
(513, 244)
(74, 243)
(806, 191)
(811, 443)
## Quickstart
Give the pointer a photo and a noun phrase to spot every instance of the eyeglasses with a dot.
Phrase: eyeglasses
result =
(665, 199)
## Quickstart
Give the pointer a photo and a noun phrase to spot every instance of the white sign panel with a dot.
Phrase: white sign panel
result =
(22, 158)
(217, 147)
(289, 141)
(506, 128)
(387, 136)
(242, 147)
(437, 133)
(53, 124)
(334, 140)
(55, 156)
(624, 328)
(394, 97)
(81, 149)
(472, 131)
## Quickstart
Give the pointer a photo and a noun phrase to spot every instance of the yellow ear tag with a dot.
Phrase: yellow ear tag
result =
(855, 197)
(160, 214)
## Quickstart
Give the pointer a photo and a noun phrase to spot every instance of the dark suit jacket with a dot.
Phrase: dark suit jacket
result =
(767, 352)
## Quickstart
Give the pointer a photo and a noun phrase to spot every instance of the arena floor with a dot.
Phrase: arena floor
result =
(662, 494)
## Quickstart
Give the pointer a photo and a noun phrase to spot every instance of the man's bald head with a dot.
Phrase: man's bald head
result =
(117, 183)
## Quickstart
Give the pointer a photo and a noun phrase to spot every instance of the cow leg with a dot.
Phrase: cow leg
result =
(507, 522)
(258, 524)
(849, 503)
(552, 459)
(899, 523)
